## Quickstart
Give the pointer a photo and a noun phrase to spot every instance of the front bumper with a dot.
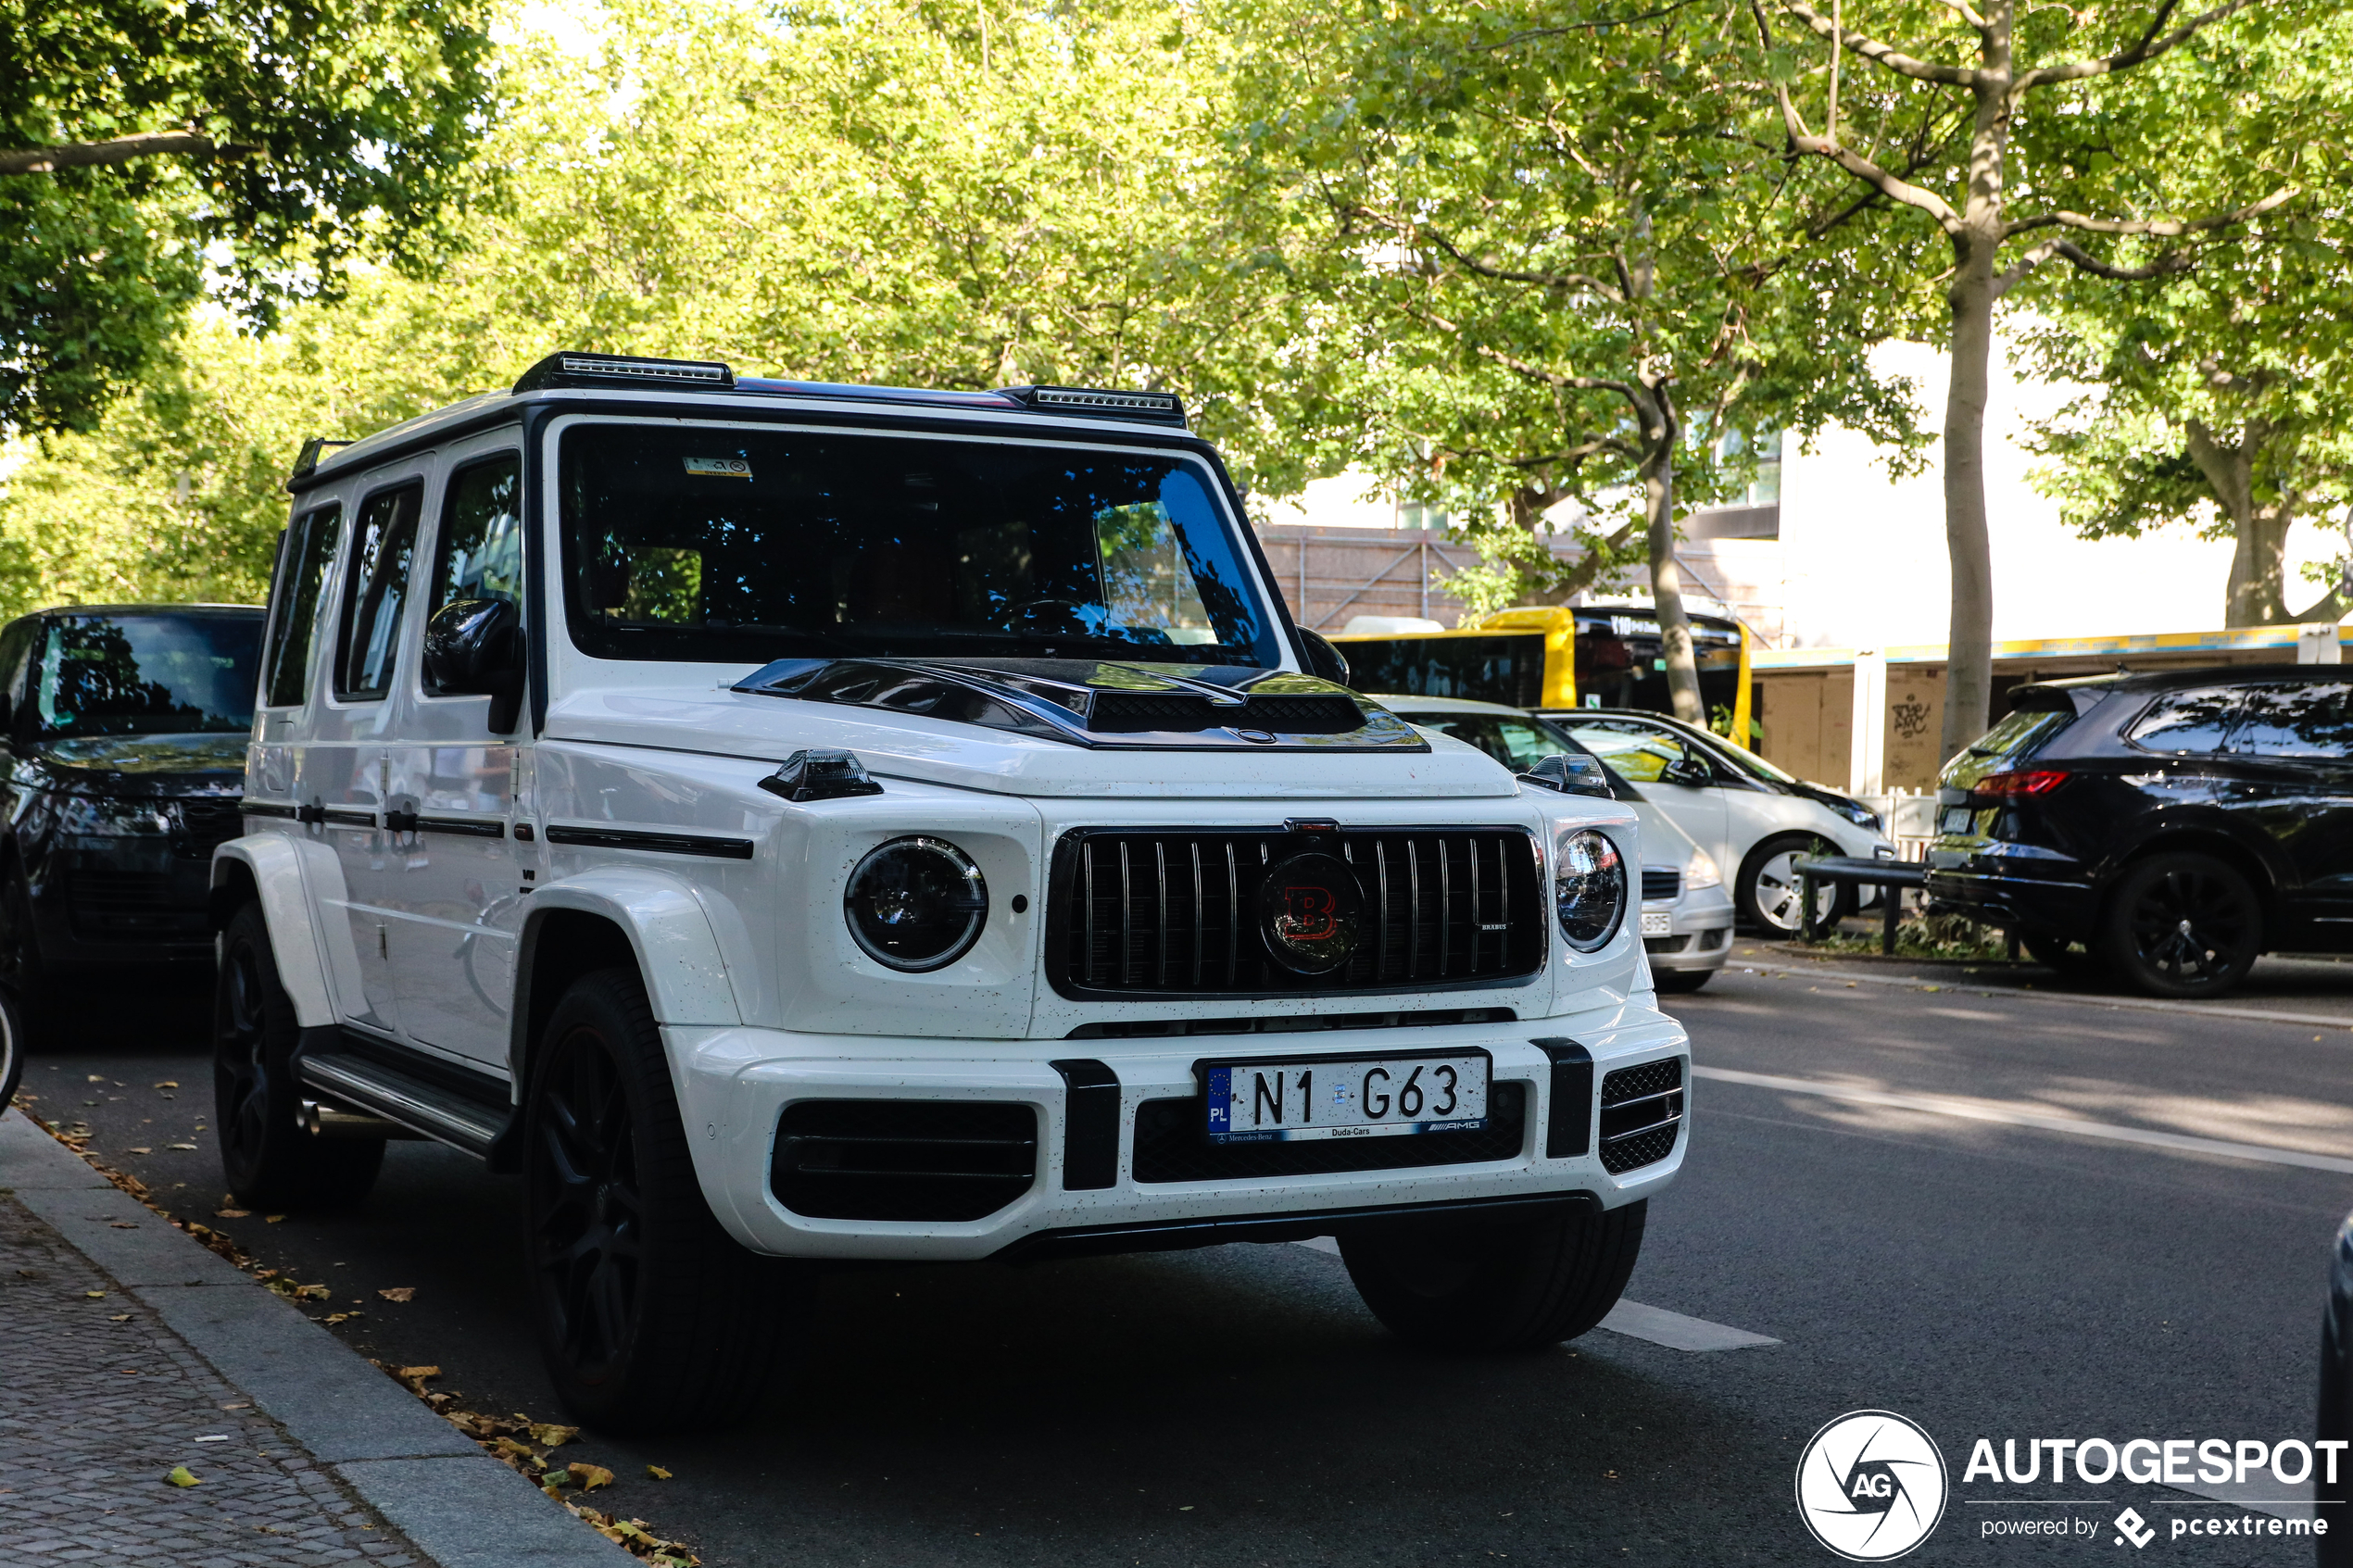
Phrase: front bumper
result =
(1700, 932)
(735, 1083)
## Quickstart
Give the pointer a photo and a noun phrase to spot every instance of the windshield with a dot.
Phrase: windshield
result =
(147, 675)
(730, 546)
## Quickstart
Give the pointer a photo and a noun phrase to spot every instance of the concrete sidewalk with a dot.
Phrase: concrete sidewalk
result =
(125, 1344)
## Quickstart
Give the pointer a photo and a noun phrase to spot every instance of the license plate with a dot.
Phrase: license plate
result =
(1659, 923)
(1287, 1101)
(1955, 819)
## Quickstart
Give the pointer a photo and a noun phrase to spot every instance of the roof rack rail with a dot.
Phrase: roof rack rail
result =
(1152, 408)
(573, 368)
(312, 450)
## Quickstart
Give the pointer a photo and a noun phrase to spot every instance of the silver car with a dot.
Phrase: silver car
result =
(1686, 913)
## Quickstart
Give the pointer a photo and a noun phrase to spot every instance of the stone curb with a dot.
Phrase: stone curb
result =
(458, 1506)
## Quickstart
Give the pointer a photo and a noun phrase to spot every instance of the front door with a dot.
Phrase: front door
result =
(453, 787)
(2293, 754)
(1650, 756)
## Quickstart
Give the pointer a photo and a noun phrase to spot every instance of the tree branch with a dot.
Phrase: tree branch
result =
(2147, 48)
(1962, 9)
(1503, 274)
(1855, 163)
(1879, 54)
(2068, 250)
(120, 149)
(2159, 228)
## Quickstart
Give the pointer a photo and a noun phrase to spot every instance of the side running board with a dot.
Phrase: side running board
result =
(450, 1104)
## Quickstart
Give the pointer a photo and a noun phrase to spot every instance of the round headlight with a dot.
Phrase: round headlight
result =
(916, 903)
(1589, 889)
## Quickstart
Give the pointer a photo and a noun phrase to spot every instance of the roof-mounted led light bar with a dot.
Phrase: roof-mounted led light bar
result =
(1154, 408)
(574, 369)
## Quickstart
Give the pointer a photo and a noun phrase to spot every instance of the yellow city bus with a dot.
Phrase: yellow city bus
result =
(1590, 656)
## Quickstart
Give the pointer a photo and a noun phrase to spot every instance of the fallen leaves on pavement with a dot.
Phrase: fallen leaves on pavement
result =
(553, 1435)
(656, 1473)
(587, 1476)
(191, 1148)
(228, 1214)
(180, 1476)
(400, 1293)
(167, 1083)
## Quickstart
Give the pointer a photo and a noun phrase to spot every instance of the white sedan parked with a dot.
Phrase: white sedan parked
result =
(1744, 810)
(1687, 917)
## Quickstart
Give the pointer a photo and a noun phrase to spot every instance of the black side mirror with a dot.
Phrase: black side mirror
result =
(1687, 770)
(1323, 657)
(1569, 773)
(474, 647)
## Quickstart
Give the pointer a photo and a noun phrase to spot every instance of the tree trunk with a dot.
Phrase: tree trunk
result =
(1662, 429)
(1968, 684)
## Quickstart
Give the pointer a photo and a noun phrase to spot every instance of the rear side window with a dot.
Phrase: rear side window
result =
(309, 551)
(2188, 722)
(375, 591)
(2302, 720)
(481, 551)
(2020, 732)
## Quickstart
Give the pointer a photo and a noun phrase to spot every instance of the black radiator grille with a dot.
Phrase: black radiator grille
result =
(903, 1159)
(110, 904)
(1661, 883)
(1642, 1112)
(1172, 1145)
(1173, 912)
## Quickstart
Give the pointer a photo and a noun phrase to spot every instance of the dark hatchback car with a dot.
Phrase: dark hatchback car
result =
(123, 730)
(2176, 825)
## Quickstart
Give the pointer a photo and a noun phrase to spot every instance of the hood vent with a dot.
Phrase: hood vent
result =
(1091, 703)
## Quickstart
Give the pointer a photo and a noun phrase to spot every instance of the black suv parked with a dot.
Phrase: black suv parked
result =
(122, 757)
(2176, 824)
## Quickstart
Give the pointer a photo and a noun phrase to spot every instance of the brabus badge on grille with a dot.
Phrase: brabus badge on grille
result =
(1312, 912)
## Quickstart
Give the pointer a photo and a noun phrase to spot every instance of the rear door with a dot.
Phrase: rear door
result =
(2293, 747)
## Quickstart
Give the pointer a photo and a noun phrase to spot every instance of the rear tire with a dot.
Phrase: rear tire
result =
(1766, 892)
(651, 1318)
(1680, 982)
(270, 1159)
(2182, 924)
(1496, 1287)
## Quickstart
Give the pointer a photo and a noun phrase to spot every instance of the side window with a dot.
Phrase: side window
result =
(1524, 744)
(1639, 754)
(2188, 722)
(481, 551)
(1468, 729)
(309, 551)
(2303, 720)
(375, 591)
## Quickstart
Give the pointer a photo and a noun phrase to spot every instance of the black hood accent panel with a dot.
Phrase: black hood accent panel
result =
(1098, 704)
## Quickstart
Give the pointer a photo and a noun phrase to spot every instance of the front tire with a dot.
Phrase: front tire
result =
(12, 1044)
(1766, 892)
(270, 1159)
(2182, 924)
(651, 1318)
(1496, 1287)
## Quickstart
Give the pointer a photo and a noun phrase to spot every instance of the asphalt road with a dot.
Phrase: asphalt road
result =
(1237, 1406)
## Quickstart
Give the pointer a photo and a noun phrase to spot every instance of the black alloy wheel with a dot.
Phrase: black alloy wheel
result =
(651, 1316)
(270, 1161)
(2182, 924)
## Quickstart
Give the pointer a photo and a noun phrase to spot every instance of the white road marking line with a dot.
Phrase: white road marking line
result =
(2260, 1497)
(1979, 988)
(1635, 1321)
(1676, 1332)
(1973, 1110)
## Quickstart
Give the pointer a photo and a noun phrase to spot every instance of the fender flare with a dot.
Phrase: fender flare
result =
(671, 934)
(275, 864)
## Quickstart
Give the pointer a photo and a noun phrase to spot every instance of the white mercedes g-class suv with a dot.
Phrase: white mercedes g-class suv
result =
(788, 824)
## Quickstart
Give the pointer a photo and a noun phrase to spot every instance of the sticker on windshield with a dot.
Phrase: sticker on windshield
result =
(719, 468)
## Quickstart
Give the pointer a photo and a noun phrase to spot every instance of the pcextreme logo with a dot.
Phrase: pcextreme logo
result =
(1870, 1485)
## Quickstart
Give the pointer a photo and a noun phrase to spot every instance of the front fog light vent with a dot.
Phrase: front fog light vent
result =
(916, 903)
(939, 1161)
(1642, 1113)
